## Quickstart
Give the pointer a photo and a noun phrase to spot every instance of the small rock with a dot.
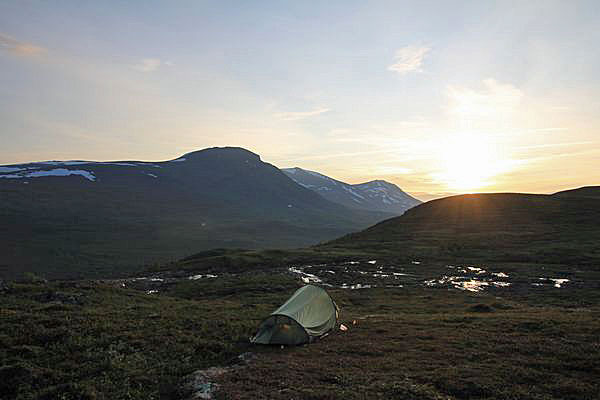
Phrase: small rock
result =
(200, 385)
(245, 358)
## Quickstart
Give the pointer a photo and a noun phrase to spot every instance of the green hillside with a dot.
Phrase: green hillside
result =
(507, 227)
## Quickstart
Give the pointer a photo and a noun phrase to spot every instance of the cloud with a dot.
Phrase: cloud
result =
(297, 115)
(546, 145)
(148, 65)
(19, 48)
(409, 59)
(495, 100)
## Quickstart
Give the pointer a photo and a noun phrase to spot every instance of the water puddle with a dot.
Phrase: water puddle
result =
(371, 274)
(355, 286)
(338, 275)
(381, 276)
(305, 276)
(477, 270)
(476, 279)
(200, 276)
(557, 281)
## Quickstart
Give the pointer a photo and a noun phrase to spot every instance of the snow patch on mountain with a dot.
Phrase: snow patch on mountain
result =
(93, 163)
(375, 195)
(53, 172)
(352, 192)
(11, 169)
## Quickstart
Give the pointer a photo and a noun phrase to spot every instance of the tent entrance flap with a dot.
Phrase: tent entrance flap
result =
(280, 329)
(309, 314)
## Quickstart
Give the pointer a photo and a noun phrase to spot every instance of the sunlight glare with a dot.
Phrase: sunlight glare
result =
(469, 162)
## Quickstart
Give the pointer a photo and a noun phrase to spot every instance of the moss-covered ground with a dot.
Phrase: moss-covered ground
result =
(94, 340)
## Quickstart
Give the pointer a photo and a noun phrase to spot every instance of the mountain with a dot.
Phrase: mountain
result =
(506, 227)
(374, 196)
(75, 218)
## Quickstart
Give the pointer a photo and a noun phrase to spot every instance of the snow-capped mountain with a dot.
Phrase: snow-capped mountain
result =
(375, 195)
(70, 215)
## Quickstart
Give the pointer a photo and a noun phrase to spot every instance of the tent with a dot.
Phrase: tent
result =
(308, 315)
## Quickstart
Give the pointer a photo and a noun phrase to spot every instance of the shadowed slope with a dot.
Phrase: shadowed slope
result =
(83, 218)
(500, 227)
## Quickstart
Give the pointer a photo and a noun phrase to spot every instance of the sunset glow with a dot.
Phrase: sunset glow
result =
(439, 100)
(469, 163)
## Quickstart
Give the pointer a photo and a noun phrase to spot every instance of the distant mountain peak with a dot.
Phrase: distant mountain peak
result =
(377, 182)
(220, 151)
(128, 211)
(376, 195)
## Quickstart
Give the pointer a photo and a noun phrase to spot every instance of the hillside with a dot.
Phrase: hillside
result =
(376, 195)
(76, 218)
(586, 191)
(564, 227)
(457, 286)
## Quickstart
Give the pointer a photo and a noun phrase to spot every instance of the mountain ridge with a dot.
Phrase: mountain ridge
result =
(376, 195)
(63, 217)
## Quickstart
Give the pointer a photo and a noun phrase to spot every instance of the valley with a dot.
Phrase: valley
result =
(364, 200)
(489, 296)
(73, 219)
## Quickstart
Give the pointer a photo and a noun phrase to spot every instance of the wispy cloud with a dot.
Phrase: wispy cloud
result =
(563, 155)
(549, 145)
(337, 155)
(546, 130)
(495, 100)
(297, 115)
(148, 65)
(409, 59)
(18, 47)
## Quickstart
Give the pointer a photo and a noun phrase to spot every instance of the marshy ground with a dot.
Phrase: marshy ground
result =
(137, 338)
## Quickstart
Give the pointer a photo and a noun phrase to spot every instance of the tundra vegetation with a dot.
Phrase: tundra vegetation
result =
(533, 337)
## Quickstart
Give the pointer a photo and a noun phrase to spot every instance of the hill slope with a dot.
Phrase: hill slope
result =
(375, 195)
(74, 218)
(559, 228)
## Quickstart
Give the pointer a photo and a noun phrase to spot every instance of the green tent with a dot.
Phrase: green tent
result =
(308, 315)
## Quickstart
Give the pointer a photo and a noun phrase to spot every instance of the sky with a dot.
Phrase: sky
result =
(438, 97)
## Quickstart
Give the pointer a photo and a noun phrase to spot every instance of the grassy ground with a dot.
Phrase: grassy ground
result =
(435, 344)
(90, 340)
(78, 340)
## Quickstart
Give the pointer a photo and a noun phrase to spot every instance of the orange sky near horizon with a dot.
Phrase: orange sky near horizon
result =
(470, 97)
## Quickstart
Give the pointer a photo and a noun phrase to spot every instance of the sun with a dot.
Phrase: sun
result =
(469, 163)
